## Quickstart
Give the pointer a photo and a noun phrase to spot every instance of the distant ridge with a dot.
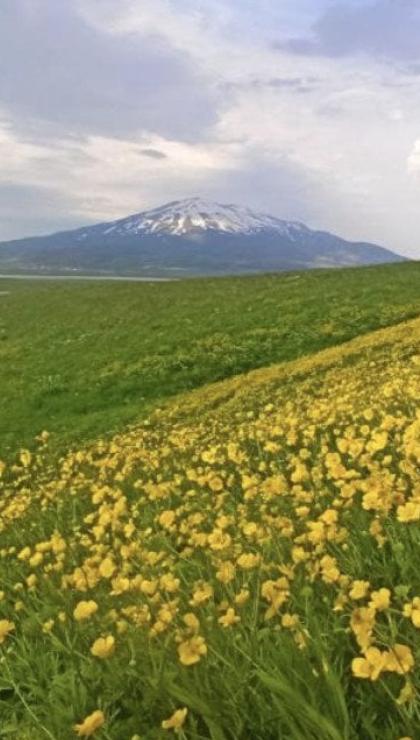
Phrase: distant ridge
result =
(186, 238)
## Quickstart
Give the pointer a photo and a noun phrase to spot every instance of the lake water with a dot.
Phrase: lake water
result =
(125, 278)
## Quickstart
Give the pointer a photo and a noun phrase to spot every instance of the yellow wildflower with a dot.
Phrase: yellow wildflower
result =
(290, 621)
(412, 611)
(167, 518)
(25, 554)
(36, 559)
(400, 659)
(47, 626)
(226, 572)
(107, 568)
(247, 561)
(359, 589)
(91, 723)
(229, 619)
(176, 721)
(362, 623)
(103, 647)
(25, 458)
(84, 610)
(242, 597)
(216, 484)
(219, 540)
(192, 650)
(5, 628)
(148, 587)
(371, 665)
(409, 512)
(31, 580)
(381, 599)
(191, 621)
(203, 592)
(406, 694)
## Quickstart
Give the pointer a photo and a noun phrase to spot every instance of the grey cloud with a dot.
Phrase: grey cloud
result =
(154, 154)
(26, 210)
(384, 29)
(282, 187)
(72, 78)
(296, 84)
(412, 69)
(284, 82)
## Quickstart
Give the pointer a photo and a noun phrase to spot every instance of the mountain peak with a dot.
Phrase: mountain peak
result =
(193, 236)
(195, 215)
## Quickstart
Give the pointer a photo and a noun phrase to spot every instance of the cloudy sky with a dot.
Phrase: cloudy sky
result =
(308, 109)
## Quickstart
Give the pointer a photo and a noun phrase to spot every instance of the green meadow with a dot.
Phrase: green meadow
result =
(83, 359)
(240, 565)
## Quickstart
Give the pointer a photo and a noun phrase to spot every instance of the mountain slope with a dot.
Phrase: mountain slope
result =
(189, 237)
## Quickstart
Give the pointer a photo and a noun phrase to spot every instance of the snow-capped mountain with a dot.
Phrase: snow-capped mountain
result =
(195, 215)
(185, 238)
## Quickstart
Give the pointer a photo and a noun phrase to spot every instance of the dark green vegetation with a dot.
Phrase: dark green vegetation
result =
(213, 254)
(84, 358)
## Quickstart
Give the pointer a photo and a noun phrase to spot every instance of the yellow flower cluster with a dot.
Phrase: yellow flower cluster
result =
(399, 659)
(217, 514)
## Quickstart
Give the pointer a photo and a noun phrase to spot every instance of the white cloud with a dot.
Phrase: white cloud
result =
(105, 177)
(413, 161)
(16, 155)
(339, 129)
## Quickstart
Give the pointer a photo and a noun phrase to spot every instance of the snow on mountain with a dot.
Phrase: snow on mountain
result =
(195, 215)
(189, 238)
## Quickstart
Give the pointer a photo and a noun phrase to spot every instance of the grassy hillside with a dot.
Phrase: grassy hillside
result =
(242, 565)
(81, 359)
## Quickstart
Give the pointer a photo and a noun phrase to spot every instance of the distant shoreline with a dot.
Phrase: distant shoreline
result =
(87, 277)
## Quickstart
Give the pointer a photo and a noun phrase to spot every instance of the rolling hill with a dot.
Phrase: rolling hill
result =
(241, 565)
(84, 358)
